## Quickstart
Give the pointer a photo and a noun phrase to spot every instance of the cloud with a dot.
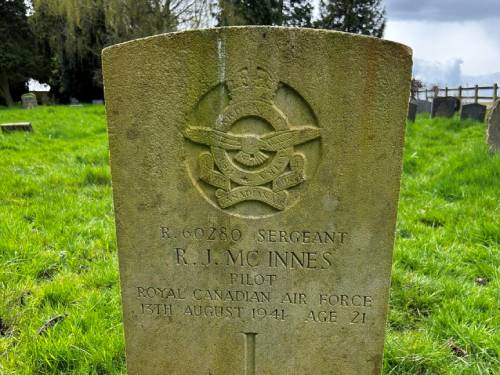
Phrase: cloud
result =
(449, 73)
(443, 41)
(481, 80)
(443, 10)
(438, 73)
(34, 85)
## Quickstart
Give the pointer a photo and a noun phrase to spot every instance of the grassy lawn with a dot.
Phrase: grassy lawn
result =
(59, 295)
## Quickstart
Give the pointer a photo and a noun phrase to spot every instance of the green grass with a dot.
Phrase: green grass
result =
(57, 246)
(58, 254)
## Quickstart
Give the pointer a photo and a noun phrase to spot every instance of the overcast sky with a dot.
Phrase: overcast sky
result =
(454, 41)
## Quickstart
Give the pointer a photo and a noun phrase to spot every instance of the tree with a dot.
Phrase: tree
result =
(298, 13)
(415, 86)
(18, 61)
(74, 32)
(71, 34)
(264, 12)
(354, 16)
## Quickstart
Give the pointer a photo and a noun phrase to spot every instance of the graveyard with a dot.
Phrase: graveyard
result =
(249, 187)
(60, 310)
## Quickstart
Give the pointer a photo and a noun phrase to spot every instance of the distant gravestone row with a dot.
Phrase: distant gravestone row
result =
(29, 100)
(446, 107)
(493, 132)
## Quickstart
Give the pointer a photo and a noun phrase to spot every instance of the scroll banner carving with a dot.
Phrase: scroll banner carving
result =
(245, 193)
(293, 178)
(210, 175)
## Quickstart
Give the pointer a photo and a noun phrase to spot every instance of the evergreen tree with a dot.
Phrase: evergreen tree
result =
(264, 12)
(354, 16)
(18, 62)
(298, 13)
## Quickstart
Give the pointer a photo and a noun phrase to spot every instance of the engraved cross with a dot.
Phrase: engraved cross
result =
(250, 352)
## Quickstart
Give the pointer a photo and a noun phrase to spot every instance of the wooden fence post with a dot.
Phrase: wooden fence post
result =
(460, 92)
(476, 93)
(495, 92)
(446, 91)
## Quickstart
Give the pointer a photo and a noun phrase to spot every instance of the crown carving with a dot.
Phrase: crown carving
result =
(251, 83)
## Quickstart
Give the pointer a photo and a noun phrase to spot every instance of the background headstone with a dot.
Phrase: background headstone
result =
(74, 102)
(412, 111)
(44, 97)
(473, 111)
(445, 106)
(255, 194)
(16, 126)
(98, 101)
(493, 132)
(29, 100)
(424, 106)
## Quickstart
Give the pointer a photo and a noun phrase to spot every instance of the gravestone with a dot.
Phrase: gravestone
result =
(16, 126)
(74, 102)
(445, 106)
(98, 101)
(44, 97)
(29, 100)
(493, 132)
(424, 106)
(255, 193)
(412, 111)
(473, 111)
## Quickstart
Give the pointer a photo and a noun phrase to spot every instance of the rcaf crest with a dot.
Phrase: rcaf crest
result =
(249, 149)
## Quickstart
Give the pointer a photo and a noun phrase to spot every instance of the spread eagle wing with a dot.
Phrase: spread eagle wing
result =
(281, 140)
(213, 137)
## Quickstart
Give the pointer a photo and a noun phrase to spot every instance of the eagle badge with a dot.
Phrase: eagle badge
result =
(245, 163)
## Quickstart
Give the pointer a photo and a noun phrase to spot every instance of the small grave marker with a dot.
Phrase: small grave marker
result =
(412, 111)
(445, 106)
(29, 100)
(74, 102)
(424, 106)
(473, 111)
(16, 126)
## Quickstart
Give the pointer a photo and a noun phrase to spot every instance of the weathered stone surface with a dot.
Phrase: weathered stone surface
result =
(473, 111)
(412, 111)
(29, 100)
(424, 106)
(256, 175)
(16, 126)
(493, 132)
(445, 106)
